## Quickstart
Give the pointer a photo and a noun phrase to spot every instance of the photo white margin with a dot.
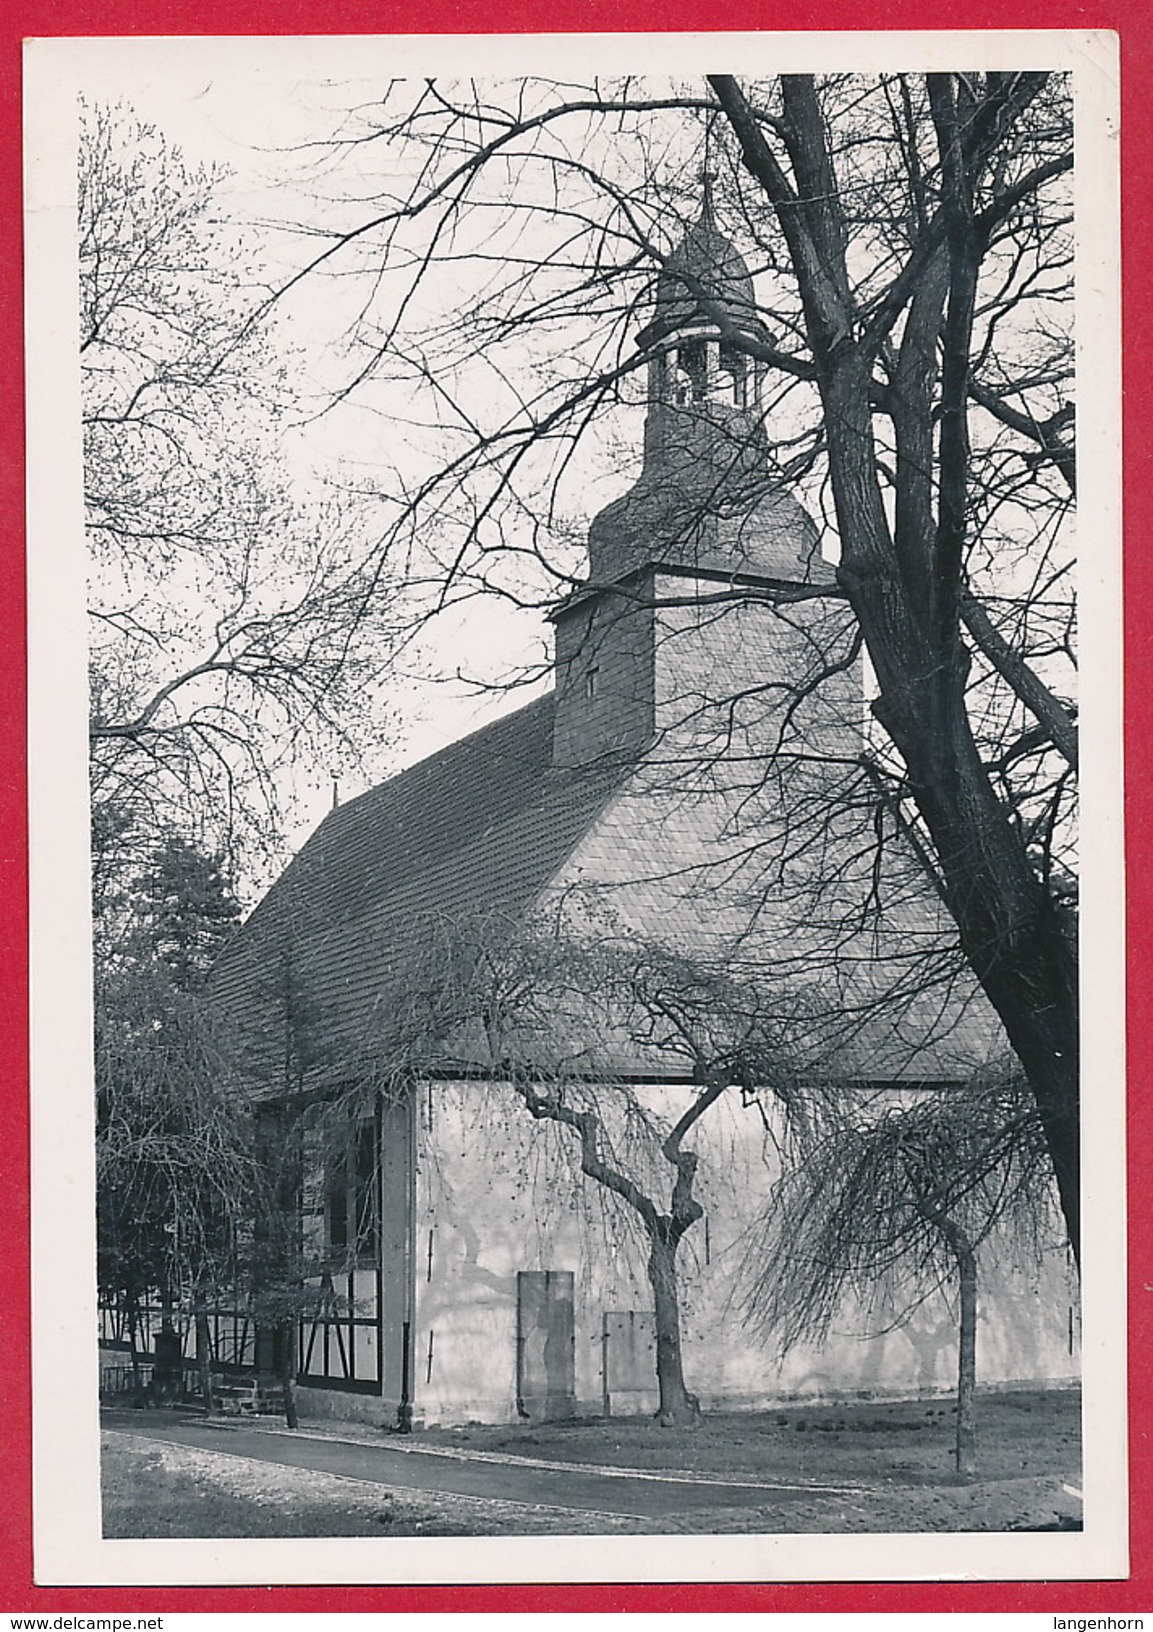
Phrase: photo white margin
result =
(69, 1548)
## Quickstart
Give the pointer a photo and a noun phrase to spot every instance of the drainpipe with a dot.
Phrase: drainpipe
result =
(404, 1409)
(404, 1412)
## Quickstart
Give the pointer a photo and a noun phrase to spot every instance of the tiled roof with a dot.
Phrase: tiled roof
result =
(720, 519)
(474, 831)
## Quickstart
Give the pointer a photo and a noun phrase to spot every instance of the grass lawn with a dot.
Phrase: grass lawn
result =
(1021, 1433)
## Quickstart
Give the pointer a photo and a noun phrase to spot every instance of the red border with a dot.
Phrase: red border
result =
(112, 17)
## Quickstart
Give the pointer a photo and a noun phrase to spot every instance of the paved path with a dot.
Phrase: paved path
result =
(405, 1466)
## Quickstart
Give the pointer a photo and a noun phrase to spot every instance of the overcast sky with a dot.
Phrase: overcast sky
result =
(264, 108)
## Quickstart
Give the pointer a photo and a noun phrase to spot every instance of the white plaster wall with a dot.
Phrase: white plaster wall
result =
(497, 1193)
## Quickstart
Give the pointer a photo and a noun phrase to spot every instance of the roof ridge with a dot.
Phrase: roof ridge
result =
(429, 761)
(407, 834)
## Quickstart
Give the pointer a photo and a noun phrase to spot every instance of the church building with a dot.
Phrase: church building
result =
(688, 785)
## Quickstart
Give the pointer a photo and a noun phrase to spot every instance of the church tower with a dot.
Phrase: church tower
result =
(707, 515)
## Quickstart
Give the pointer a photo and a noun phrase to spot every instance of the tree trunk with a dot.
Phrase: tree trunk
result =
(133, 1320)
(1013, 936)
(287, 1347)
(967, 1368)
(664, 1231)
(907, 593)
(677, 1406)
(203, 1351)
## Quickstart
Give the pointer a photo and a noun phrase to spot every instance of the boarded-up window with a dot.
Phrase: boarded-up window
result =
(630, 1357)
(546, 1353)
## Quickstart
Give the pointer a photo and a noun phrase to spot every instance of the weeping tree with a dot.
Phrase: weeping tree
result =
(720, 1031)
(197, 1183)
(556, 1024)
(894, 1204)
(275, 1267)
(196, 1187)
(174, 1167)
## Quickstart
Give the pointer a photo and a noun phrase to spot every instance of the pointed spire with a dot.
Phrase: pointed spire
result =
(707, 177)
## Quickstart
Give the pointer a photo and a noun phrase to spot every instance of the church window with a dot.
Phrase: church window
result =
(336, 1203)
(366, 1216)
(592, 676)
(339, 1332)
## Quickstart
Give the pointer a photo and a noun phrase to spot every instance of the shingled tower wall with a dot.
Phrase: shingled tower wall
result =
(709, 523)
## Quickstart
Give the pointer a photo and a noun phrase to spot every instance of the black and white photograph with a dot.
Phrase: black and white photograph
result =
(559, 963)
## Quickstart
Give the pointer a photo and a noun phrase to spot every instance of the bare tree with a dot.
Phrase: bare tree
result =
(894, 1203)
(911, 238)
(908, 581)
(233, 629)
